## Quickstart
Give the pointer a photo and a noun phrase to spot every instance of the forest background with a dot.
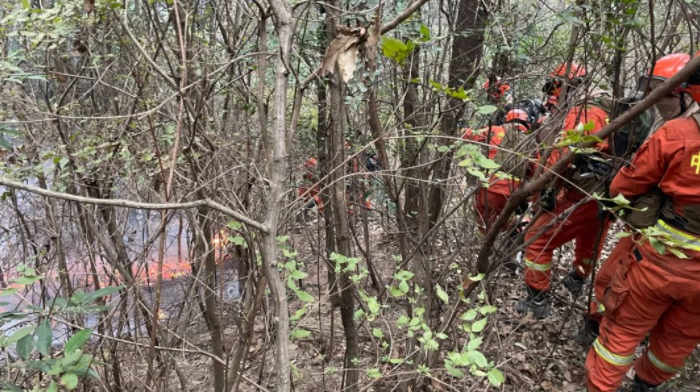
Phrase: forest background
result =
(152, 236)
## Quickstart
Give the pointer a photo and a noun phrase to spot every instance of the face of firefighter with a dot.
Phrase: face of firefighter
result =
(669, 107)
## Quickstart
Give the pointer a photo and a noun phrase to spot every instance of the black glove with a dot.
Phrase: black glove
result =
(548, 199)
(522, 208)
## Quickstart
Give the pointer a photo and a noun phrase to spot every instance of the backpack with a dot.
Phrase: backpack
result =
(533, 107)
(516, 165)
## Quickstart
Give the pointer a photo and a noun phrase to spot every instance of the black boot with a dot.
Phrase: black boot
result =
(536, 302)
(574, 282)
(588, 333)
(641, 386)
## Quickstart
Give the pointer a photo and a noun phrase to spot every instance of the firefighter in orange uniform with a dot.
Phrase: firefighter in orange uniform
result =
(310, 189)
(490, 201)
(668, 109)
(647, 290)
(582, 224)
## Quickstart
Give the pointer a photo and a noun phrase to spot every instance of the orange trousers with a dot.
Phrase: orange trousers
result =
(582, 225)
(488, 205)
(639, 297)
(624, 249)
(312, 195)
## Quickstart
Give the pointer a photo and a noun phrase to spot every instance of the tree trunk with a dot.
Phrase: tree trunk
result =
(467, 49)
(278, 172)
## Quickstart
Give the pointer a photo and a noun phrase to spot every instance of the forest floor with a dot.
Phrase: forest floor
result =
(534, 355)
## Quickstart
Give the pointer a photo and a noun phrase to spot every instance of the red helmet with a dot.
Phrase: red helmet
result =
(694, 83)
(556, 78)
(519, 116)
(577, 71)
(310, 163)
(664, 69)
(498, 90)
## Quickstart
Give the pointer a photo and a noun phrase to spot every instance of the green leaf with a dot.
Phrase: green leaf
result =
(403, 286)
(454, 372)
(237, 240)
(4, 143)
(425, 33)
(44, 338)
(442, 294)
(9, 291)
(304, 296)
(479, 325)
(658, 246)
(53, 387)
(103, 292)
(27, 280)
(298, 275)
(373, 305)
(469, 315)
(71, 359)
(20, 334)
(678, 253)
(282, 239)
(474, 343)
(374, 373)
(487, 109)
(443, 149)
(488, 309)
(402, 320)
(477, 358)
(377, 333)
(394, 49)
(70, 381)
(63, 162)
(78, 340)
(25, 346)
(404, 275)
(622, 234)
(396, 292)
(487, 163)
(300, 333)
(496, 378)
(235, 225)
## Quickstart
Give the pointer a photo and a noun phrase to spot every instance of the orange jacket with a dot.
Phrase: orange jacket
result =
(581, 115)
(479, 135)
(669, 160)
(497, 185)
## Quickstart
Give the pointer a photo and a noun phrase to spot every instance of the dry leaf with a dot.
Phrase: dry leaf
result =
(89, 5)
(347, 63)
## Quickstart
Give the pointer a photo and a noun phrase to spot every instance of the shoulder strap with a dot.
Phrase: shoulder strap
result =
(696, 116)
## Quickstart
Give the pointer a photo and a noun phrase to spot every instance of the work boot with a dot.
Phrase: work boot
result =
(588, 333)
(574, 282)
(641, 386)
(536, 302)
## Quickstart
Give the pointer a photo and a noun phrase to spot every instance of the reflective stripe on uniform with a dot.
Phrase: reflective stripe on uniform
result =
(610, 357)
(660, 364)
(687, 241)
(599, 307)
(538, 267)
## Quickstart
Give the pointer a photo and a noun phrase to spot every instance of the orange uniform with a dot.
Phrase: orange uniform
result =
(490, 201)
(310, 189)
(645, 290)
(582, 224)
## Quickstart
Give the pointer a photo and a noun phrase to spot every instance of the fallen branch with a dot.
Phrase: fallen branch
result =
(135, 204)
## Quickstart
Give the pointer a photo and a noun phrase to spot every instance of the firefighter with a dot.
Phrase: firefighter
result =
(310, 188)
(497, 91)
(490, 201)
(652, 285)
(581, 224)
(675, 105)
